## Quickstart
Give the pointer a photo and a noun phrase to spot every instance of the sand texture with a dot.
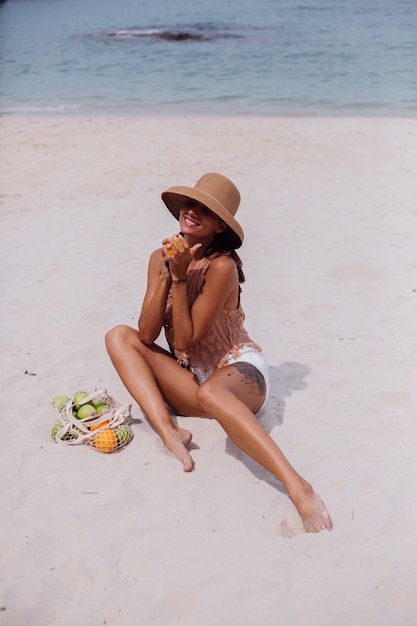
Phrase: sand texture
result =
(329, 208)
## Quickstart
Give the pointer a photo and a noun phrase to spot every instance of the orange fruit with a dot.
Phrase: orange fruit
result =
(96, 426)
(106, 440)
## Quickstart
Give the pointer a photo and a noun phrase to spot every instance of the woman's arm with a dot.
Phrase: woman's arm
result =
(152, 314)
(221, 287)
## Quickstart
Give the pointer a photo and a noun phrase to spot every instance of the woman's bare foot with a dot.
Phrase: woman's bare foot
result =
(176, 441)
(312, 510)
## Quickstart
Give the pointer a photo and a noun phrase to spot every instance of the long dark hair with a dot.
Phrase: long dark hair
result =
(223, 244)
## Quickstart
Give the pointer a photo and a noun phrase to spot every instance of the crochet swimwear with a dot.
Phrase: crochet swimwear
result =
(226, 337)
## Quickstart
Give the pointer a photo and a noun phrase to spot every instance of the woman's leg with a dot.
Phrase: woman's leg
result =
(153, 378)
(232, 395)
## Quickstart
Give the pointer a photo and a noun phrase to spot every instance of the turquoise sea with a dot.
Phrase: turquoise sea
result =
(278, 57)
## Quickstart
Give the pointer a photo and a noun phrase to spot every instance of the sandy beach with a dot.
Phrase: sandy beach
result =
(329, 208)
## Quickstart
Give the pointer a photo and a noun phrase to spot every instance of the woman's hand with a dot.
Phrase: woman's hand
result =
(164, 265)
(178, 256)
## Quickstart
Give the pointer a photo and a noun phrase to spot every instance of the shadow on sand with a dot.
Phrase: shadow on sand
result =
(284, 380)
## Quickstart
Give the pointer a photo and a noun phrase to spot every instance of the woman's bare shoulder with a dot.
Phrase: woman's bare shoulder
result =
(222, 273)
(223, 264)
(157, 253)
(155, 256)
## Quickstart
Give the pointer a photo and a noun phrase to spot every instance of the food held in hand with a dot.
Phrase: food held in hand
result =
(106, 440)
(86, 410)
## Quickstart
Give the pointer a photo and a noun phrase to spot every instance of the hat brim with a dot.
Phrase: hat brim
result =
(174, 199)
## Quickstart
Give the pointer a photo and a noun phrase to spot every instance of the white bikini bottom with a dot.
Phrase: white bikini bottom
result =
(247, 354)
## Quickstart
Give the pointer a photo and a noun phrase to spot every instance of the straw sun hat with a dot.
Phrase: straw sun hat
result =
(217, 193)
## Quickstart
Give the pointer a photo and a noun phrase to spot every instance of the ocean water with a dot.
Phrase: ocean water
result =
(277, 57)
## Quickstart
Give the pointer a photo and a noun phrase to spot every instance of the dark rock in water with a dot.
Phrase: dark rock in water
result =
(181, 36)
(169, 35)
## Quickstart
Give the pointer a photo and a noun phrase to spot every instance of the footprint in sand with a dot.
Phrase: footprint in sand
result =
(283, 518)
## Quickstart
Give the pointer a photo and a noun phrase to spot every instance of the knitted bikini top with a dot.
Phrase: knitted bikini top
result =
(226, 336)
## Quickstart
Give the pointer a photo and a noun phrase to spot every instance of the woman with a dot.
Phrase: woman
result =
(214, 369)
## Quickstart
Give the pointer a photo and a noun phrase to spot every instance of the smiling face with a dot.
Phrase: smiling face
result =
(198, 222)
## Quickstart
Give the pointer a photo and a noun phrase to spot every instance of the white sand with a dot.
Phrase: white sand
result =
(330, 213)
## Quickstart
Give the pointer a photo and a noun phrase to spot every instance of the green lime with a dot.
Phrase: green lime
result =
(78, 397)
(86, 410)
(56, 428)
(60, 401)
(124, 434)
(99, 407)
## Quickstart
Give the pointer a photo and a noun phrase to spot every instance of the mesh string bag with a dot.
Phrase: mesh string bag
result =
(105, 430)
